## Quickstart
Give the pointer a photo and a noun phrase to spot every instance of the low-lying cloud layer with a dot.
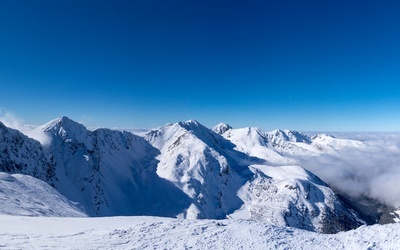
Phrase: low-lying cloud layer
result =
(372, 171)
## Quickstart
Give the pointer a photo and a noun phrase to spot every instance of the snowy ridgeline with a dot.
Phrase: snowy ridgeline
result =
(185, 170)
(164, 233)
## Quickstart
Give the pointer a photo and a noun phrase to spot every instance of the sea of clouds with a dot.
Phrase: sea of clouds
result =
(372, 171)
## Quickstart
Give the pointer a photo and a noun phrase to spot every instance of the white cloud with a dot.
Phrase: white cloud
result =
(373, 171)
(12, 121)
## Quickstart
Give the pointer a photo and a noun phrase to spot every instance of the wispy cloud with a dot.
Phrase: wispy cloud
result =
(12, 121)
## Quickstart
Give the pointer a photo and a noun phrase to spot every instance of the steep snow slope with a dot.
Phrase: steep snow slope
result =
(253, 142)
(109, 172)
(198, 161)
(28, 196)
(278, 135)
(163, 233)
(292, 196)
(290, 142)
(335, 143)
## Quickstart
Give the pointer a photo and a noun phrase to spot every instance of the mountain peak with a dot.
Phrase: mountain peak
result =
(296, 136)
(65, 119)
(289, 135)
(191, 121)
(221, 128)
(65, 127)
(191, 125)
(62, 121)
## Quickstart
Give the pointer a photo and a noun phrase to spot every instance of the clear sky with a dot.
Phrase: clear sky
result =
(304, 65)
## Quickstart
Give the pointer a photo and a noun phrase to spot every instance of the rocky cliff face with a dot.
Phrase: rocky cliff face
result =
(20, 154)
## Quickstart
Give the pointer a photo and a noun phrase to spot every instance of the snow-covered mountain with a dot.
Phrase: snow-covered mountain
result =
(184, 170)
(109, 172)
(221, 128)
(293, 196)
(335, 143)
(278, 146)
(196, 160)
(223, 181)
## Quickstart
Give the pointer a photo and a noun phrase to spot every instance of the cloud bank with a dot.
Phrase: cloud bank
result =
(372, 171)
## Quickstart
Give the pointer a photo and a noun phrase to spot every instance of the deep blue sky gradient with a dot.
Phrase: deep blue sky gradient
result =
(305, 65)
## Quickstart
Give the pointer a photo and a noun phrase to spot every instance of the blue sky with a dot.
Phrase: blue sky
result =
(305, 65)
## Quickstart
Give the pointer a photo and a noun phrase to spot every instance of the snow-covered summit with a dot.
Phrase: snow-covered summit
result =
(192, 157)
(336, 143)
(249, 136)
(221, 128)
(288, 135)
(64, 127)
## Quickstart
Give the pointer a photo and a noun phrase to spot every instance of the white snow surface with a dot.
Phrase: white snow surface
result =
(28, 196)
(396, 215)
(17, 232)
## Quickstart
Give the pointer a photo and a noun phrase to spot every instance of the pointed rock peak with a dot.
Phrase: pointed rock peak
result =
(192, 121)
(277, 132)
(63, 122)
(221, 128)
(197, 129)
(296, 136)
(191, 125)
(289, 135)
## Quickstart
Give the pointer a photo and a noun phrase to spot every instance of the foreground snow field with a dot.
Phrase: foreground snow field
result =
(17, 232)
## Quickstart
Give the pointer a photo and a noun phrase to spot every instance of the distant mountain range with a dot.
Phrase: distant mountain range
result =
(183, 170)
